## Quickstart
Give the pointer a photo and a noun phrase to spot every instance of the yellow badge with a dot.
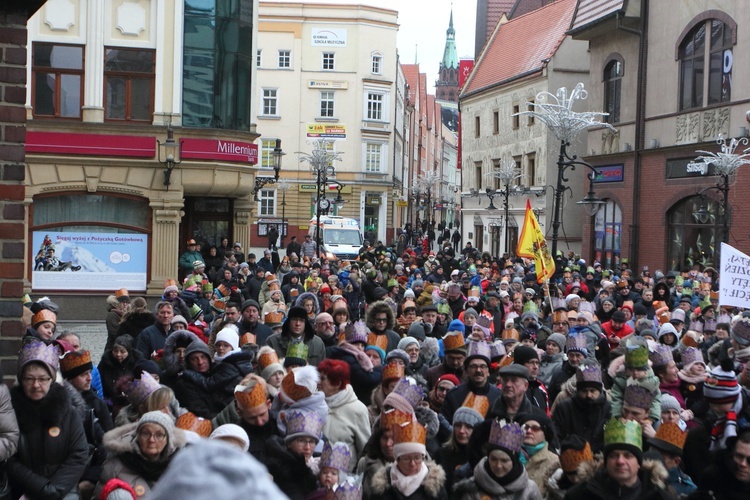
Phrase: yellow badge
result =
(691, 387)
(139, 490)
(54, 431)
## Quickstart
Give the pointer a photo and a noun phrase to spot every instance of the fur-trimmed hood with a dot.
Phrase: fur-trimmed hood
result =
(653, 473)
(171, 363)
(432, 483)
(428, 419)
(377, 308)
(49, 411)
(122, 440)
(306, 295)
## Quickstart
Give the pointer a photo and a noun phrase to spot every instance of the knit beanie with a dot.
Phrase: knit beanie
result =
(417, 330)
(399, 354)
(378, 350)
(523, 354)
(468, 416)
(471, 312)
(669, 402)
(721, 386)
(405, 342)
(126, 341)
(117, 489)
(559, 339)
(165, 421)
(229, 335)
(409, 294)
(457, 326)
(232, 431)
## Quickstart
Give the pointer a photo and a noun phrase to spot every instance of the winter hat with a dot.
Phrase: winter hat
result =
(619, 316)
(300, 383)
(574, 451)
(229, 335)
(232, 432)
(740, 331)
(470, 311)
(117, 489)
(409, 294)
(721, 386)
(457, 326)
(669, 402)
(544, 422)
(248, 303)
(165, 421)
(146, 366)
(523, 354)
(378, 350)
(399, 354)
(125, 341)
(559, 339)
(448, 377)
(406, 342)
(472, 411)
(171, 288)
(640, 310)
(74, 363)
(417, 330)
(195, 347)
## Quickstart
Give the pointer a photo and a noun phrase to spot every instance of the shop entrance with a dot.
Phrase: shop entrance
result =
(208, 221)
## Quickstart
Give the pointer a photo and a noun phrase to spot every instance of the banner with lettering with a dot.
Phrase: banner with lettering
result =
(734, 279)
(89, 261)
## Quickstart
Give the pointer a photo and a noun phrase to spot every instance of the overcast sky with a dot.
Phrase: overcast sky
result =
(422, 29)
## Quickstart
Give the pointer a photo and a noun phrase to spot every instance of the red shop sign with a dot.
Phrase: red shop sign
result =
(216, 149)
(90, 144)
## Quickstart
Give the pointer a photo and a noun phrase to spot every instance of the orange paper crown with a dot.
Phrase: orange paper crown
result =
(407, 304)
(571, 458)
(669, 437)
(392, 371)
(393, 418)
(47, 315)
(170, 282)
(190, 422)
(252, 398)
(409, 432)
(480, 403)
(454, 341)
(122, 292)
(377, 340)
(74, 363)
(293, 292)
(560, 317)
(247, 338)
(274, 286)
(511, 333)
(270, 277)
(274, 317)
(268, 358)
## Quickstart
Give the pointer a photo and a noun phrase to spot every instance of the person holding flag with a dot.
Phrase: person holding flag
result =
(533, 245)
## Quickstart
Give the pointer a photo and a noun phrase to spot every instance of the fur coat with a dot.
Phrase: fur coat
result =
(433, 485)
(483, 486)
(596, 484)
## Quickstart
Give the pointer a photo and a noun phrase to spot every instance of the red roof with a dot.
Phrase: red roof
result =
(520, 45)
(430, 110)
(411, 73)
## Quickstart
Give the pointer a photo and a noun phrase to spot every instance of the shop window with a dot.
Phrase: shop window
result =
(57, 80)
(129, 84)
(86, 211)
(613, 73)
(693, 239)
(607, 231)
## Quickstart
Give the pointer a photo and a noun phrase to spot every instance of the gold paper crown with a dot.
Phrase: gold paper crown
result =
(474, 292)
(274, 317)
(292, 389)
(247, 338)
(122, 292)
(274, 287)
(42, 316)
(478, 403)
(253, 398)
(409, 432)
(669, 433)
(454, 341)
(618, 431)
(714, 295)
(511, 333)
(377, 340)
(293, 292)
(392, 371)
(394, 418)
(170, 282)
(75, 359)
(267, 358)
(270, 277)
(190, 422)
(571, 458)
(560, 317)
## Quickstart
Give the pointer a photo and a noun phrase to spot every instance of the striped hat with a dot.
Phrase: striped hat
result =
(721, 386)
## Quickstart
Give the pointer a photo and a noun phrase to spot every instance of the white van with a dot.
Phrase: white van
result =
(339, 236)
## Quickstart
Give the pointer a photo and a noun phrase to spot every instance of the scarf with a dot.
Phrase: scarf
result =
(530, 451)
(150, 471)
(511, 476)
(219, 359)
(407, 485)
(692, 379)
(338, 398)
(725, 427)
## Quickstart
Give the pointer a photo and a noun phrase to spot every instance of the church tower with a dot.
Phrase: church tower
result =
(446, 87)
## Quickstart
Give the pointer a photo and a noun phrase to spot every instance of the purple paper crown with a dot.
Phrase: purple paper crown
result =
(356, 332)
(139, 389)
(741, 331)
(692, 355)
(575, 343)
(348, 491)
(638, 396)
(36, 350)
(559, 303)
(412, 393)
(661, 355)
(497, 350)
(483, 320)
(478, 349)
(303, 423)
(336, 456)
(587, 307)
(589, 373)
(508, 436)
(709, 325)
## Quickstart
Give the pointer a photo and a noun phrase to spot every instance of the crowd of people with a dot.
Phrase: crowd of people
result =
(399, 375)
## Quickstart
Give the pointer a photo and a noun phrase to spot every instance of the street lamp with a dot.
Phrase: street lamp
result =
(424, 185)
(260, 182)
(321, 166)
(171, 152)
(284, 186)
(726, 163)
(556, 112)
(507, 173)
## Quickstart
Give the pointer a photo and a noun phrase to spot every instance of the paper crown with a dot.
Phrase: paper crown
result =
(122, 294)
(639, 396)
(692, 355)
(74, 363)
(661, 355)
(575, 343)
(37, 350)
(170, 282)
(293, 292)
(247, 338)
(356, 332)
(297, 350)
(478, 349)
(478, 403)
(407, 304)
(587, 307)
(42, 316)
(377, 340)
(409, 432)
(571, 458)
(497, 350)
(506, 435)
(195, 311)
(588, 373)
(411, 392)
(303, 423)
(207, 287)
(483, 321)
(266, 357)
(274, 317)
(218, 305)
(274, 287)
(138, 390)
(669, 437)
(474, 292)
(300, 383)
(191, 422)
(222, 291)
(394, 417)
(559, 317)
(270, 278)
(559, 303)
(627, 432)
(510, 334)
(454, 341)
(348, 490)
(392, 371)
(249, 398)
(336, 456)
(636, 356)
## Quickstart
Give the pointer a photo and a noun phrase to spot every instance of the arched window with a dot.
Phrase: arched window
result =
(613, 72)
(712, 39)
(694, 236)
(607, 230)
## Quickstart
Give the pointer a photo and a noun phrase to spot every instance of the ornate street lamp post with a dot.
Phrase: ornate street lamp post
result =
(284, 186)
(507, 173)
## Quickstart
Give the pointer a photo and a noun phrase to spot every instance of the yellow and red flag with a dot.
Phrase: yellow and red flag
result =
(533, 245)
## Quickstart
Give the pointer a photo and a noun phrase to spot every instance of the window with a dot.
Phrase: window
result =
(495, 122)
(497, 182)
(377, 63)
(270, 102)
(607, 231)
(326, 104)
(517, 161)
(478, 175)
(328, 61)
(692, 54)
(57, 80)
(128, 84)
(373, 156)
(258, 58)
(691, 240)
(285, 59)
(516, 118)
(267, 203)
(530, 107)
(531, 169)
(477, 126)
(267, 146)
(613, 72)
(374, 106)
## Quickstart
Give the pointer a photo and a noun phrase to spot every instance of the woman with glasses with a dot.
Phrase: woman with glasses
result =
(52, 449)
(290, 461)
(140, 452)
(540, 462)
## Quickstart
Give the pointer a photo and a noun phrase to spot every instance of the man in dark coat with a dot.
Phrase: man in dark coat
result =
(381, 321)
(729, 475)
(250, 322)
(152, 338)
(294, 248)
(297, 328)
(477, 368)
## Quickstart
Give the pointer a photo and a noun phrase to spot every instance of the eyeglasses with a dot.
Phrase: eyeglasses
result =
(478, 367)
(307, 441)
(158, 437)
(381, 320)
(741, 459)
(34, 380)
(441, 389)
(414, 459)
(532, 428)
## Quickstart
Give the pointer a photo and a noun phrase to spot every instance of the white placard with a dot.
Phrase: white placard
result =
(327, 37)
(734, 284)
